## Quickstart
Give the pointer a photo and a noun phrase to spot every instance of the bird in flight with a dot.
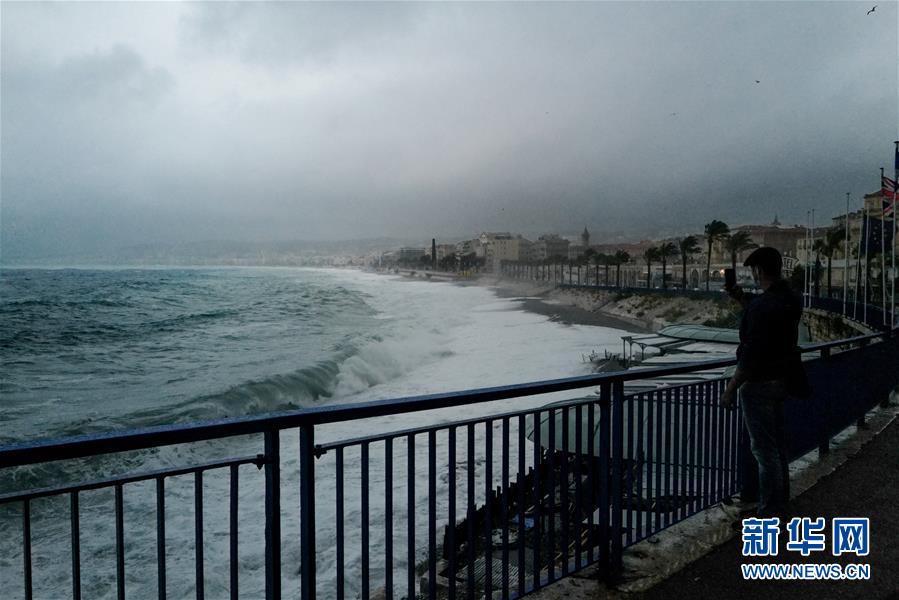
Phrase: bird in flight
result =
(757, 81)
(872, 10)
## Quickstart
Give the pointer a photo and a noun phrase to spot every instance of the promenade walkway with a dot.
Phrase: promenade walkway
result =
(866, 485)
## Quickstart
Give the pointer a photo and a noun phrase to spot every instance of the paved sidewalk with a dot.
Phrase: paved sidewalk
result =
(866, 485)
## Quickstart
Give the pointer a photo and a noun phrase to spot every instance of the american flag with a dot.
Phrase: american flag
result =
(887, 187)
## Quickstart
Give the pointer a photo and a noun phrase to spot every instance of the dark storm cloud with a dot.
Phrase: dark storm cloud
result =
(70, 144)
(308, 120)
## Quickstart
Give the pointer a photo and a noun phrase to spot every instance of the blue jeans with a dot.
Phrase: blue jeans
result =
(762, 406)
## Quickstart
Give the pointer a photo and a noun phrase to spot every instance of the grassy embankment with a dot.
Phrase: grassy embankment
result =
(654, 310)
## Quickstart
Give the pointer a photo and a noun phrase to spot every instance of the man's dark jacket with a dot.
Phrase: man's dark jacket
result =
(769, 334)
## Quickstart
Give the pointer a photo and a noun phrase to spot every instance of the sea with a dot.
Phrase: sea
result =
(88, 350)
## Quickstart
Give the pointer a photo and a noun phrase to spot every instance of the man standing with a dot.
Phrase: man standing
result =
(769, 369)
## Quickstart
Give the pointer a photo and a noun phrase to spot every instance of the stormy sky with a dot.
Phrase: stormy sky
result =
(128, 123)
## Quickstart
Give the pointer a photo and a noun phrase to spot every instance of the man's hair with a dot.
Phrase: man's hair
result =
(767, 259)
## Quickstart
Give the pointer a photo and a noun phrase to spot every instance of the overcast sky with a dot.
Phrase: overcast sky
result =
(127, 123)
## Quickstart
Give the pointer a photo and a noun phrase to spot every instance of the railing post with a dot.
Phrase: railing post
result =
(307, 512)
(824, 444)
(603, 479)
(615, 501)
(862, 345)
(272, 516)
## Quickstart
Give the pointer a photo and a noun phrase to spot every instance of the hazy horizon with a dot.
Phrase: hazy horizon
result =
(154, 123)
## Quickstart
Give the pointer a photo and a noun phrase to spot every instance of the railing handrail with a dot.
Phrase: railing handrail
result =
(45, 450)
(35, 451)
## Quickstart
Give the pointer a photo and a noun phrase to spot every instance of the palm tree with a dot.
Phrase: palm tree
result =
(714, 231)
(666, 250)
(621, 257)
(650, 254)
(737, 242)
(687, 246)
(833, 240)
(818, 249)
(598, 259)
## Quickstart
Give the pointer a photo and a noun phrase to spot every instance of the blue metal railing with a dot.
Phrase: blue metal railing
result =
(568, 484)
(566, 275)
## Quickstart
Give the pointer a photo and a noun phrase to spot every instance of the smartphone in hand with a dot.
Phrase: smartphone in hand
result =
(730, 279)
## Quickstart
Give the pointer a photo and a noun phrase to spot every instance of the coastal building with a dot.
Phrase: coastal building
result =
(501, 249)
(466, 247)
(486, 237)
(410, 254)
(443, 250)
(549, 245)
(774, 235)
(576, 251)
(634, 249)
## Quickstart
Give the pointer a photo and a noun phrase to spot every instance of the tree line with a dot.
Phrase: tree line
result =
(734, 243)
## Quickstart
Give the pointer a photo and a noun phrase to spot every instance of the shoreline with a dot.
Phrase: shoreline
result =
(539, 302)
(633, 313)
(538, 299)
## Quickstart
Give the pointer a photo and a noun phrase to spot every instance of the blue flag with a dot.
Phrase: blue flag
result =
(872, 230)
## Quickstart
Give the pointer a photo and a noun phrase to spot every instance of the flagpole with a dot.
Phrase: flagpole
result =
(867, 252)
(893, 261)
(846, 258)
(858, 263)
(805, 264)
(883, 254)
(813, 281)
(808, 257)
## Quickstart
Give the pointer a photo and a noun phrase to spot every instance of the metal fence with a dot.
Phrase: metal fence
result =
(569, 276)
(501, 503)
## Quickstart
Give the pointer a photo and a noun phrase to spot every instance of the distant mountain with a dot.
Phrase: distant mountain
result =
(227, 252)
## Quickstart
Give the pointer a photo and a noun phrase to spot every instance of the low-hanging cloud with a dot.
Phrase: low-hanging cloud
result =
(281, 121)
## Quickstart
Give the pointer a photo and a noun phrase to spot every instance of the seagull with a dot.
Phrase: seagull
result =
(872, 10)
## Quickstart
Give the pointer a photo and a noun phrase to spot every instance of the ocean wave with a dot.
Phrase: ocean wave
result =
(385, 359)
(183, 321)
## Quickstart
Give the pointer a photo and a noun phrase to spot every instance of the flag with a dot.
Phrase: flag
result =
(872, 230)
(887, 209)
(887, 187)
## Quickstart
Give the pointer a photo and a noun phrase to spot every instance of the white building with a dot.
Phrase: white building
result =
(410, 254)
(443, 250)
(549, 245)
(508, 248)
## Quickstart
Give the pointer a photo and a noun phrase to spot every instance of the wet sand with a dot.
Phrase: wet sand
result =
(567, 314)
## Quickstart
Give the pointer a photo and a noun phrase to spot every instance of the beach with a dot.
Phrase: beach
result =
(545, 302)
(635, 313)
